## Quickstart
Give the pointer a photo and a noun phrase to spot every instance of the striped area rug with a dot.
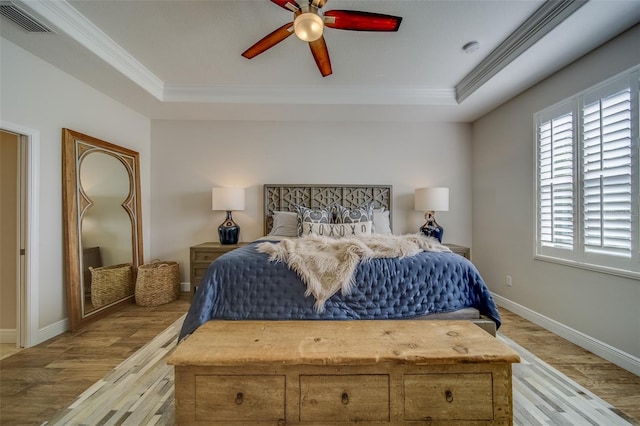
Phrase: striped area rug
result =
(544, 396)
(139, 391)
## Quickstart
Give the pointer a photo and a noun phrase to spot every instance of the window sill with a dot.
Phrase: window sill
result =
(589, 267)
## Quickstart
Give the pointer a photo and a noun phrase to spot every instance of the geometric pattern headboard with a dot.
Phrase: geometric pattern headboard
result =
(284, 197)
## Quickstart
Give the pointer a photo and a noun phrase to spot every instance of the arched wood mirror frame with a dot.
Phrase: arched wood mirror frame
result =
(75, 202)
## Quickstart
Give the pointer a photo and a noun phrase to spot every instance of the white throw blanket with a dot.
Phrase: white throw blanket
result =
(327, 265)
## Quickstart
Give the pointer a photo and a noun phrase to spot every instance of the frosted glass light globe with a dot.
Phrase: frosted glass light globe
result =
(308, 26)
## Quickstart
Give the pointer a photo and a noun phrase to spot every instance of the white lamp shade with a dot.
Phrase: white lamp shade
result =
(436, 199)
(227, 199)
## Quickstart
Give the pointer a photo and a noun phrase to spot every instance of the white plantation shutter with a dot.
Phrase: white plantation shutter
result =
(588, 178)
(555, 182)
(607, 174)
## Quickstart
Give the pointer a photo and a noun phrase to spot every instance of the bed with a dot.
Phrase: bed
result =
(245, 284)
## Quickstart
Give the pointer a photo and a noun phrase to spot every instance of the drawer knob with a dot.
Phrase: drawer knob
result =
(345, 398)
(206, 258)
(448, 396)
(239, 398)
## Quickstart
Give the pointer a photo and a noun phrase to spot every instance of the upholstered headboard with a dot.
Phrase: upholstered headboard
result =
(284, 197)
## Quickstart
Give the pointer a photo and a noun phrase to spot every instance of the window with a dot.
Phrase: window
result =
(587, 178)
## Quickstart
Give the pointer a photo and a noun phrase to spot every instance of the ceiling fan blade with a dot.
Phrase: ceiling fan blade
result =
(321, 55)
(287, 4)
(269, 41)
(318, 3)
(361, 21)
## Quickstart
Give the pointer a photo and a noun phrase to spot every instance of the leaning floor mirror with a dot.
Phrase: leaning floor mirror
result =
(102, 226)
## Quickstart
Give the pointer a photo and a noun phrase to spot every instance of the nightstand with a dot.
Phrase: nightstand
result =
(201, 257)
(461, 250)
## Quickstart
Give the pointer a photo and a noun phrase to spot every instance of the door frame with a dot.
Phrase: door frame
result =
(28, 283)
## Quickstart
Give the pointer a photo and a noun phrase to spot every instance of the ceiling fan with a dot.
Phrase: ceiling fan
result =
(308, 24)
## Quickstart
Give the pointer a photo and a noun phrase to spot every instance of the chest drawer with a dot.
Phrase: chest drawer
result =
(448, 396)
(344, 398)
(206, 256)
(239, 398)
(198, 271)
(202, 255)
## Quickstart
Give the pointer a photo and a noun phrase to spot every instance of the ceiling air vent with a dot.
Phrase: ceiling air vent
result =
(22, 18)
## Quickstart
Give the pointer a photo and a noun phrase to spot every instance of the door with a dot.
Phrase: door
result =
(10, 269)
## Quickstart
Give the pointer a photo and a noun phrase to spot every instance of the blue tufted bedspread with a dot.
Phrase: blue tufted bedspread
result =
(244, 285)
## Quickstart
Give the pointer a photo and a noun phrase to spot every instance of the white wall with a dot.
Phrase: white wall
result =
(37, 96)
(191, 157)
(589, 305)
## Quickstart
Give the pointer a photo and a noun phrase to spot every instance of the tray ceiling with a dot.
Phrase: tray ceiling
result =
(181, 59)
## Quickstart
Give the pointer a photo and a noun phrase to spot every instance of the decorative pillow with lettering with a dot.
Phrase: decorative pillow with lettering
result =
(307, 215)
(337, 230)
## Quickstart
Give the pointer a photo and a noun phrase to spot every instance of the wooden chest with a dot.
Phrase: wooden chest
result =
(324, 372)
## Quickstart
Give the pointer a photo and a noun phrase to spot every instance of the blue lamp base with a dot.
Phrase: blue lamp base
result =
(431, 227)
(228, 231)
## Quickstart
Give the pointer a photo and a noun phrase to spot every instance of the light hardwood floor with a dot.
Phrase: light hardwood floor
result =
(615, 385)
(38, 381)
(8, 349)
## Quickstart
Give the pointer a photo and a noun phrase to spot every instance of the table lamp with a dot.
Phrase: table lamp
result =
(430, 200)
(228, 199)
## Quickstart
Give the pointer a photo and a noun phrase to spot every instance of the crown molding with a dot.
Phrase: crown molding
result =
(543, 20)
(69, 21)
(301, 95)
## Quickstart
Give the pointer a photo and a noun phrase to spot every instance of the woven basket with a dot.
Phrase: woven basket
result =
(157, 283)
(111, 283)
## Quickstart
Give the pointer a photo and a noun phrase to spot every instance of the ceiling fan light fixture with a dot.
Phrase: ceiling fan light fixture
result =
(308, 26)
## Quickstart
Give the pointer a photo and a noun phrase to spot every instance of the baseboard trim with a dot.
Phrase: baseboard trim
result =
(604, 350)
(8, 335)
(62, 326)
(52, 330)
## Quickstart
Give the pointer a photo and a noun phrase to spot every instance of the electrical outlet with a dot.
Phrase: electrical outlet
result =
(508, 281)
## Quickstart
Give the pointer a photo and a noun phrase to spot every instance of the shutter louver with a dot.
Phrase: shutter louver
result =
(556, 182)
(607, 170)
(588, 178)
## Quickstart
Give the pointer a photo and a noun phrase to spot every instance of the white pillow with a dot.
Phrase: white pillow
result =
(337, 230)
(381, 222)
(285, 224)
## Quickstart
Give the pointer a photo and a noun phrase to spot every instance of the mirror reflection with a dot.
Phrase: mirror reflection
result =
(105, 226)
(103, 237)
